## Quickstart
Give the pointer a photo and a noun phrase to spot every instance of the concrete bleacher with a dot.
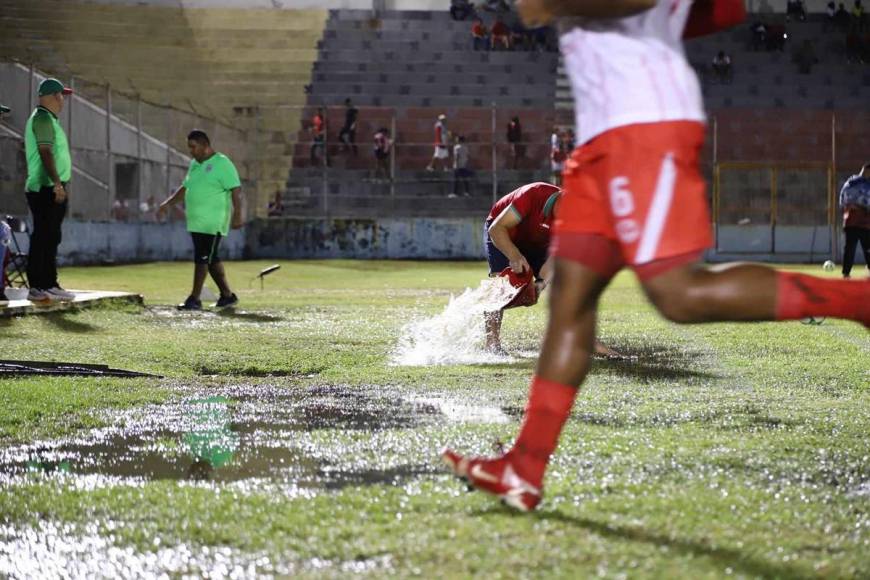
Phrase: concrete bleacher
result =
(423, 59)
(221, 63)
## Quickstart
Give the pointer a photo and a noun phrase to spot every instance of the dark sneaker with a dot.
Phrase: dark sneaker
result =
(38, 295)
(190, 304)
(227, 301)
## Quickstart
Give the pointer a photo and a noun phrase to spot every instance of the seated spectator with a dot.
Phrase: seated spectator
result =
(722, 67)
(479, 35)
(776, 37)
(276, 206)
(461, 9)
(318, 137)
(539, 39)
(805, 57)
(520, 38)
(500, 35)
(795, 8)
(383, 147)
(515, 138)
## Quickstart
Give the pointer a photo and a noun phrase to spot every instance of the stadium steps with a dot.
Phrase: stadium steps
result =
(223, 60)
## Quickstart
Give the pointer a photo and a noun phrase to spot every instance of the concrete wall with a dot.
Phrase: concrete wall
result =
(388, 238)
(409, 238)
(105, 243)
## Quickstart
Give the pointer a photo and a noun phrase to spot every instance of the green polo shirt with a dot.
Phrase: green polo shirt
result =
(43, 128)
(208, 194)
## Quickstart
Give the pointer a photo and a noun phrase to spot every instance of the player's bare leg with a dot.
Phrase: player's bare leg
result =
(747, 292)
(199, 273)
(218, 274)
(516, 477)
(492, 331)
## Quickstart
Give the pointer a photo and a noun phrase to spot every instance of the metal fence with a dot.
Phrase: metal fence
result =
(128, 154)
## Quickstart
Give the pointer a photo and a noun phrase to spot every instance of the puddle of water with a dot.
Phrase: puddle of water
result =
(64, 551)
(456, 335)
(262, 435)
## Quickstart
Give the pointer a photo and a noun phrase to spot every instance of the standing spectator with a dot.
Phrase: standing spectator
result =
(722, 67)
(318, 138)
(520, 37)
(442, 136)
(842, 17)
(855, 201)
(858, 17)
(461, 171)
(49, 169)
(212, 196)
(500, 35)
(276, 205)
(557, 156)
(461, 9)
(515, 138)
(759, 35)
(795, 8)
(830, 15)
(347, 135)
(383, 148)
(479, 35)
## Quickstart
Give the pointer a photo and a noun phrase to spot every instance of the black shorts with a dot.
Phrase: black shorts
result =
(498, 261)
(205, 248)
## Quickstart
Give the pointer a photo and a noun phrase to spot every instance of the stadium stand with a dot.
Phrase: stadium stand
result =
(236, 66)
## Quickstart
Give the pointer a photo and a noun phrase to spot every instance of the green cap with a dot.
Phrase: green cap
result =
(52, 87)
(4, 109)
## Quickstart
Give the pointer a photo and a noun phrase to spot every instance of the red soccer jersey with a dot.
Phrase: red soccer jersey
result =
(533, 203)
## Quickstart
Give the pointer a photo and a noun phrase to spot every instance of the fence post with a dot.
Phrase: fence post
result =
(140, 169)
(110, 162)
(69, 129)
(773, 195)
(393, 154)
(325, 165)
(494, 157)
(715, 176)
(168, 151)
(31, 89)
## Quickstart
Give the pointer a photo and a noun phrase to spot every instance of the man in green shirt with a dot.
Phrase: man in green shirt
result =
(212, 197)
(49, 168)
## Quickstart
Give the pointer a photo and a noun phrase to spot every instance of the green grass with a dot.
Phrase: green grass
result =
(722, 450)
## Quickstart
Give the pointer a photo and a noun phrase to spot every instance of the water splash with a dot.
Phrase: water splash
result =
(456, 336)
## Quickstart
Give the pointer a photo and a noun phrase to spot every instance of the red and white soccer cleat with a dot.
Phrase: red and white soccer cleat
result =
(495, 476)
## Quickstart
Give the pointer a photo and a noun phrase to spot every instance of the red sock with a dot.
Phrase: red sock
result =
(549, 406)
(799, 296)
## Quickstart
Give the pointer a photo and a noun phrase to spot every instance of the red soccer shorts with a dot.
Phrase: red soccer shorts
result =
(634, 196)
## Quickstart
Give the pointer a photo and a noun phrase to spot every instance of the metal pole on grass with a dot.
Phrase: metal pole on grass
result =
(168, 150)
(139, 171)
(832, 195)
(325, 192)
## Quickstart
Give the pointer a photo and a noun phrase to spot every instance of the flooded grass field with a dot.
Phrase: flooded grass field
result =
(287, 439)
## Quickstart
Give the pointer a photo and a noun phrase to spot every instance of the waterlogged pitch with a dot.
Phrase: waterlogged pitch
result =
(288, 437)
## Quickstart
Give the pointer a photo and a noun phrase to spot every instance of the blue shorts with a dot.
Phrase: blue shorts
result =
(498, 261)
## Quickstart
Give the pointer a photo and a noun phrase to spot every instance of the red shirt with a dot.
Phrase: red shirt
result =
(533, 203)
(317, 124)
(478, 30)
(500, 29)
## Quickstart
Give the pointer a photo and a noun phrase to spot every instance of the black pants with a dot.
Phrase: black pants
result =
(853, 237)
(45, 238)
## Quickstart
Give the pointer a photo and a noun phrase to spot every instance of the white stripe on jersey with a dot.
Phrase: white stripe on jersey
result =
(658, 211)
(630, 70)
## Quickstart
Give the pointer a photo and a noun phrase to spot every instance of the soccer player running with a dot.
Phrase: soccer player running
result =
(212, 197)
(516, 234)
(633, 196)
